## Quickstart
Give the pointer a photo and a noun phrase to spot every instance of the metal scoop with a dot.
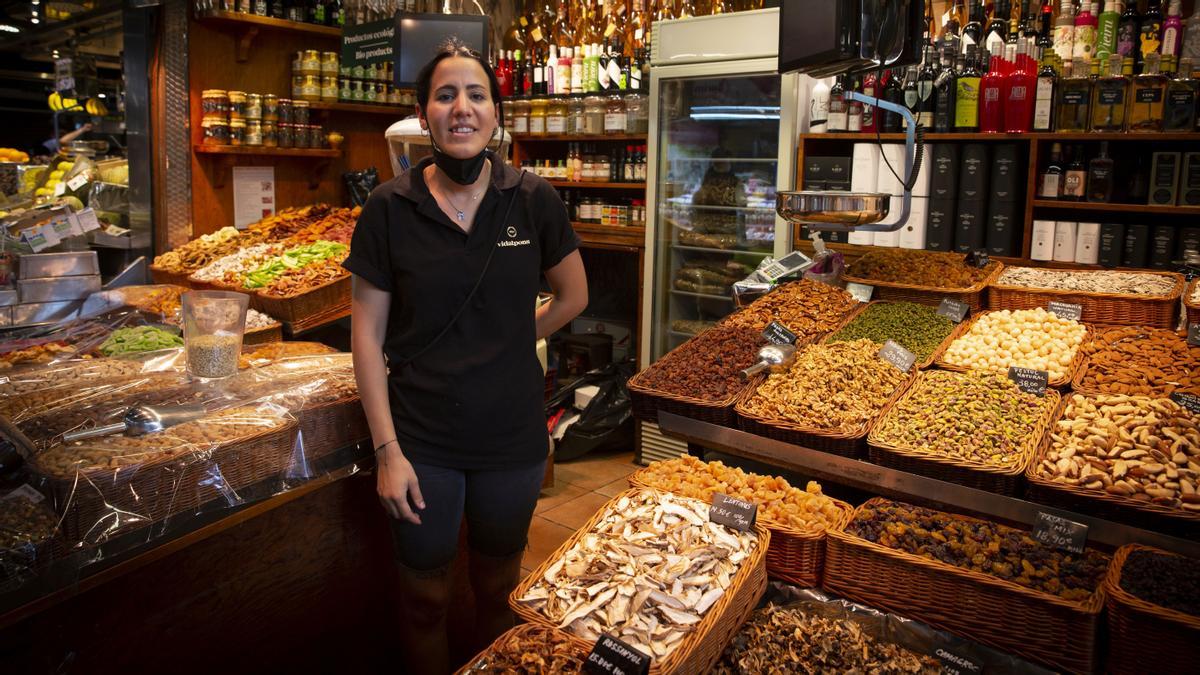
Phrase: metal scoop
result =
(141, 420)
(770, 356)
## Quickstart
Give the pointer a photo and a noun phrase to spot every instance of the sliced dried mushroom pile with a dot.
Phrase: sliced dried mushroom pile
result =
(647, 574)
(790, 640)
(1123, 283)
(530, 650)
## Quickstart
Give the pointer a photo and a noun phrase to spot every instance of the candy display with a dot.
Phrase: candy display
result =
(990, 548)
(708, 367)
(139, 339)
(1104, 281)
(778, 501)
(918, 328)
(836, 387)
(1029, 338)
(919, 268)
(205, 249)
(1144, 449)
(786, 639)
(1139, 361)
(647, 573)
(806, 308)
(1169, 581)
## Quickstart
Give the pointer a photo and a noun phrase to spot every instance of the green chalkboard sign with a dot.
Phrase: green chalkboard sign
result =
(368, 43)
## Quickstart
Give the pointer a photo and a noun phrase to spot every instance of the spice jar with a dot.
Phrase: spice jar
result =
(270, 135)
(316, 136)
(254, 133)
(537, 116)
(369, 92)
(311, 90)
(382, 95)
(270, 108)
(300, 136)
(254, 106)
(311, 62)
(215, 130)
(556, 116)
(329, 63)
(285, 111)
(344, 94)
(245, 6)
(297, 86)
(214, 102)
(287, 135)
(329, 88)
(575, 121)
(237, 105)
(300, 112)
(356, 91)
(237, 131)
(298, 63)
(594, 110)
(508, 111)
(614, 115)
(637, 113)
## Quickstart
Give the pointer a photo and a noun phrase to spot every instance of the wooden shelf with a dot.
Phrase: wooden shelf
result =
(611, 235)
(526, 138)
(253, 20)
(1098, 207)
(371, 108)
(1079, 137)
(597, 186)
(264, 151)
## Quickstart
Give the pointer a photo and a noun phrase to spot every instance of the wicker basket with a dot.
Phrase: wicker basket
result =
(262, 336)
(1057, 382)
(331, 426)
(973, 296)
(1039, 626)
(1160, 311)
(647, 401)
(1101, 504)
(295, 308)
(1078, 384)
(846, 443)
(531, 631)
(1144, 637)
(703, 646)
(920, 365)
(795, 555)
(1006, 481)
(1193, 308)
(158, 490)
(162, 276)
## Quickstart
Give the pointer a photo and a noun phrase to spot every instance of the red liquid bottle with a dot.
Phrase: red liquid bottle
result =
(991, 98)
(871, 87)
(1018, 104)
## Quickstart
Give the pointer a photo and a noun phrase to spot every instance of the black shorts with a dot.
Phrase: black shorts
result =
(498, 505)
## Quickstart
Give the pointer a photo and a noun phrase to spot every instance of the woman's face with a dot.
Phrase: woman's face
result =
(460, 115)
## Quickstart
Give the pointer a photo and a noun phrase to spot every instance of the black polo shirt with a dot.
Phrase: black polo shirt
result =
(474, 400)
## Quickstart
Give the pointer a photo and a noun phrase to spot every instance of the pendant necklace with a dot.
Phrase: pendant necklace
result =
(462, 215)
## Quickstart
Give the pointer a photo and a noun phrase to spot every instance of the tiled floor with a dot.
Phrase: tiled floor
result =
(580, 488)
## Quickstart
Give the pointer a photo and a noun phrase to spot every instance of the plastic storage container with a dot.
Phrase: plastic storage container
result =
(214, 323)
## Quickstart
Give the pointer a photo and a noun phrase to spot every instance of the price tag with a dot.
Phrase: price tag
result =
(114, 231)
(64, 227)
(1190, 402)
(894, 353)
(731, 512)
(60, 189)
(778, 334)
(1193, 337)
(861, 292)
(953, 309)
(1059, 532)
(1029, 380)
(615, 657)
(1065, 310)
(77, 182)
(978, 258)
(956, 662)
(26, 492)
(87, 220)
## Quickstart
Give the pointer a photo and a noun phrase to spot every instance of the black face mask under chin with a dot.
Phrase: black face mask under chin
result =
(461, 171)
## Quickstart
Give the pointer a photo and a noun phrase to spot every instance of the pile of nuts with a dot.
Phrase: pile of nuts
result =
(918, 328)
(1145, 449)
(919, 268)
(788, 639)
(24, 524)
(708, 367)
(229, 269)
(974, 416)
(778, 502)
(1140, 361)
(1102, 281)
(1195, 299)
(990, 548)
(1164, 579)
(836, 387)
(1028, 338)
(807, 308)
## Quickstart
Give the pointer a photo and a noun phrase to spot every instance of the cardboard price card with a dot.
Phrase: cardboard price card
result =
(953, 309)
(1059, 532)
(611, 656)
(778, 334)
(894, 353)
(731, 512)
(1065, 310)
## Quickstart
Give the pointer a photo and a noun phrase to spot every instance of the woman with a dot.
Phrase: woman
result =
(447, 259)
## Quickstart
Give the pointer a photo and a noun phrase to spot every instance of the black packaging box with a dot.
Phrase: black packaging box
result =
(1189, 238)
(939, 226)
(1137, 245)
(1189, 185)
(973, 182)
(970, 231)
(1006, 174)
(943, 181)
(1002, 229)
(1112, 244)
(827, 237)
(832, 172)
(1162, 247)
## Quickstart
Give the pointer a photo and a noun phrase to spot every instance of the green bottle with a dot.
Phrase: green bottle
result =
(1106, 34)
(966, 99)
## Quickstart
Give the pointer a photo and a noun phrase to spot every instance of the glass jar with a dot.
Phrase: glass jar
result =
(594, 110)
(215, 130)
(214, 102)
(357, 71)
(329, 88)
(381, 96)
(356, 91)
(237, 105)
(369, 72)
(254, 132)
(344, 93)
(316, 136)
(396, 97)
(285, 111)
(298, 63)
(537, 116)
(614, 115)
(556, 116)
(520, 119)
(300, 136)
(270, 135)
(300, 113)
(297, 87)
(270, 108)
(287, 135)
(637, 113)
(237, 131)
(245, 6)
(370, 92)
(311, 91)
(254, 106)
(508, 111)
(260, 7)
(575, 121)
(329, 64)
(310, 64)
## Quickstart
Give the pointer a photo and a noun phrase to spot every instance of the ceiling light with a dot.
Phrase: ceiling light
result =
(33, 20)
(5, 28)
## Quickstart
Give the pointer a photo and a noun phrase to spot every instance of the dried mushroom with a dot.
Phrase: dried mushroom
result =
(529, 650)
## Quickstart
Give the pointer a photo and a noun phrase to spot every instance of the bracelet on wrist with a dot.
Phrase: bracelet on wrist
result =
(385, 445)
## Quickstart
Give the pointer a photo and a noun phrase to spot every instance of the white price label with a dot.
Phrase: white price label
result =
(60, 189)
(861, 292)
(87, 220)
(77, 182)
(114, 231)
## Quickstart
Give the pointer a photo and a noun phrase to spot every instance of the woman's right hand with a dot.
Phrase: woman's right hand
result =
(396, 484)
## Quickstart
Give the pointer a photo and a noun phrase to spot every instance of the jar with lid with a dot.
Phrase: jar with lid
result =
(287, 135)
(537, 116)
(575, 120)
(270, 135)
(311, 62)
(345, 94)
(614, 115)
(594, 110)
(311, 91)
(520, 118)
(298, 63)
(297, 87)
(237, 131)
(637, 113)
(215, 130)
(556, 116)
(260, 7)
(254, 132)
(356, 72)
(270, 108)
(329, 88)
(214, 102)
(300, 112)
(396, 97)
(245, 6)
(300, 136)
(370, 92)
(237, 105)
(316, 136)
(329, 63)
(285, 111)
(356, 91)
(507, 111)
(369, 72)
(254, 106)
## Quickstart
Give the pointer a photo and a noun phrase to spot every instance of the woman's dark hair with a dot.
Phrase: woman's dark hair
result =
(450, 48)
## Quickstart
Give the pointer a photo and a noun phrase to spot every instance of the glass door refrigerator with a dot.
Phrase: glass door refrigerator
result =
(722, 140)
